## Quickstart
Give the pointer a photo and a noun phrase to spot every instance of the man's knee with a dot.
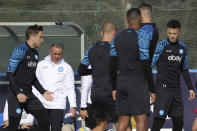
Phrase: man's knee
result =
(123, 123)
(102, 124)
(141, 119)
(194, 128)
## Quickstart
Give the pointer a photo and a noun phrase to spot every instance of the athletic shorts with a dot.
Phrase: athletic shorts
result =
(169, 102)
(103, 108)
(132, 95)
(15, 108)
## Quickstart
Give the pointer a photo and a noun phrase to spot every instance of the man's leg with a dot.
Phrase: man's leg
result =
(2, 129)
(98, 104)
(56, 119)
(194, 127)
(129, 126)
(13, 124)
(101, 126)
(123, 122)
(90, 121)
(157, 124)
(177, 123)
(177, 111)
(42, 119)
(141, 122)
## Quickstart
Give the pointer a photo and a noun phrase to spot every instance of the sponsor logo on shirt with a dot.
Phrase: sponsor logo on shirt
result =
(174, 58)
(32, 64)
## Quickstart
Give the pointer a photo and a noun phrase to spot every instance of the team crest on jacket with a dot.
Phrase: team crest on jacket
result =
(60, 69)
(181, 51)
(18, 110)
(36, 57)
(161, 112)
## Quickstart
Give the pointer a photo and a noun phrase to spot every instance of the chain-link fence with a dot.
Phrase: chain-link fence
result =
(91, 14)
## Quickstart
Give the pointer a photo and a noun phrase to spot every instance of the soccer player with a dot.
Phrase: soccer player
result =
(57, 76)
(171, 61)
(133, 97)
(100, 57)
(146, 15)
(21, 76)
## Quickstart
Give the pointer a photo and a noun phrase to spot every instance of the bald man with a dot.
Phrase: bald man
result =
(102, 56)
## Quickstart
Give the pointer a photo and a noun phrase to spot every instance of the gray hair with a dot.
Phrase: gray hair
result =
(56, 45)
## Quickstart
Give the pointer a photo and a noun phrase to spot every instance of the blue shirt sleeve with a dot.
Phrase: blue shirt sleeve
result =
(158, 51)
(85, 60)
(144, 36)
(16, 57)
(185, 62)
(113, 50)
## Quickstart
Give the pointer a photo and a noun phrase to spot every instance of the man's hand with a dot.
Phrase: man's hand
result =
(84, 114)
(152, 98)
(22, 97)
(47, 95)
(5, 124)
(114, 95)
(26, 125)
(191, 95)
(73, 111)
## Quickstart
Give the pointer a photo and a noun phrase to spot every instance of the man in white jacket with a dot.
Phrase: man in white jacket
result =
(57, 76)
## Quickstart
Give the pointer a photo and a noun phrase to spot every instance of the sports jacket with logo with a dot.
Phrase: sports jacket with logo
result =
(171, 60)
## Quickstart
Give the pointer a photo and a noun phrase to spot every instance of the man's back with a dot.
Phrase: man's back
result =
(126, 44)
(99, 56)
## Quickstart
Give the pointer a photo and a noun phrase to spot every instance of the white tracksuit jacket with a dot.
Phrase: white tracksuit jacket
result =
(59, 79)
(86, 84)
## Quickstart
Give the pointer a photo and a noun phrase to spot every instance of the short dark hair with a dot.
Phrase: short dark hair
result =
(57, 45)
(134, 14)
(145, 5)
(33, 30)
(174, 24)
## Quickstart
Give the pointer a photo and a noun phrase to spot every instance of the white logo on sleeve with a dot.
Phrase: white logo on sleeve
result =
(174, 58)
